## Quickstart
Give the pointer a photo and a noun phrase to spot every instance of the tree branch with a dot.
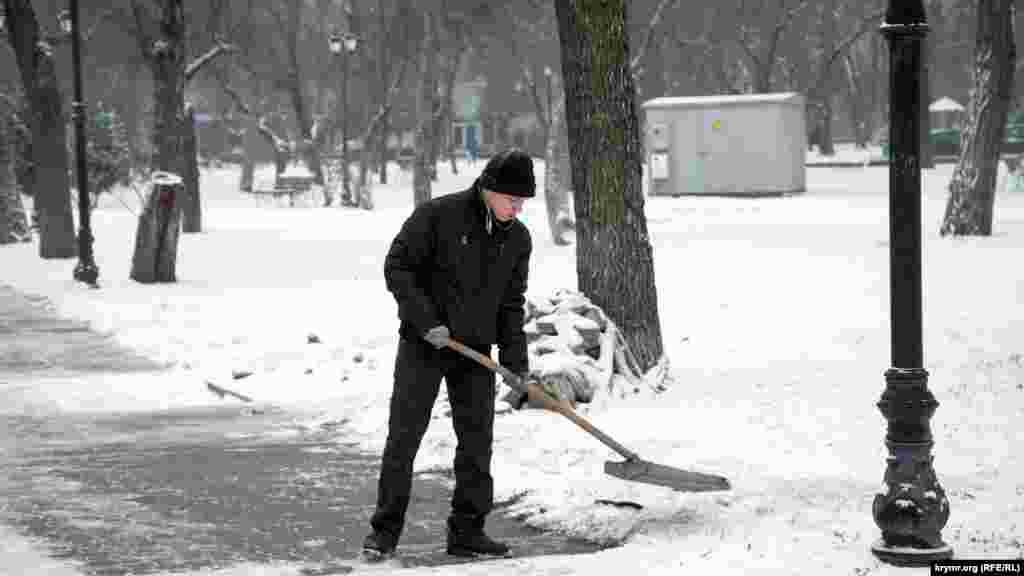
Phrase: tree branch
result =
(221, 47)
(649, 34)
(145, 42)
(389, 100)
(845, 43)
(278, 142)
(105, 15)
(784, 23)
(535, 97)
(745, 46)
(841, 49)
(236, 98)
(788, 17)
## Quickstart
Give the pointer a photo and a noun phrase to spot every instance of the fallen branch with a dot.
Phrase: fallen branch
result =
(222, 392)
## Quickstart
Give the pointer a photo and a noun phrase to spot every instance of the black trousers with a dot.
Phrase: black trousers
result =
(419, 368)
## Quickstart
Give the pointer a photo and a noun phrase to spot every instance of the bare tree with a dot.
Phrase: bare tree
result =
(254, 123)
(614, 259)
(831, 46)
(636, 65)
(289, 23)
(365, 198)
(160, 34)
(428, 108)
(524, 35)
(862, 70)
(50, 187)
(739, 42)
(551, 119)
(971, 201)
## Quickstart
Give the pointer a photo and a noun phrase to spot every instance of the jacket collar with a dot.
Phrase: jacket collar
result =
(482, 210)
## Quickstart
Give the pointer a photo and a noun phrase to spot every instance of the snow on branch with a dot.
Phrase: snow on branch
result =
(221, 47)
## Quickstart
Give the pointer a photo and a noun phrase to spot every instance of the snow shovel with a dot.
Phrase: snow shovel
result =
(634, 468)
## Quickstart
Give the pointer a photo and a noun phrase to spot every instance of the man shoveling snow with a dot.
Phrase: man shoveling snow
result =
(458, 269)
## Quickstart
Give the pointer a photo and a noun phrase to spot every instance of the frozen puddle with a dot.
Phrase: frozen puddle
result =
(208, 489)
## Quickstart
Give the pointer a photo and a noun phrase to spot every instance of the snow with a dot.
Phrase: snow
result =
(722, 100)
(775, 317)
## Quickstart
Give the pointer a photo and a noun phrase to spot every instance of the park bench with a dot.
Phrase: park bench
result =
(406, 160)
(288, 185)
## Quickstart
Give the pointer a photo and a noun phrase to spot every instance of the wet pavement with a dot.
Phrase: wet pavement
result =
(184, 490)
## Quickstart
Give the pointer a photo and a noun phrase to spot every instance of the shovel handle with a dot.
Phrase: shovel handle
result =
(537, 394)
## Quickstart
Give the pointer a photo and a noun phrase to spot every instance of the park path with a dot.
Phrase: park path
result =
(188, 489)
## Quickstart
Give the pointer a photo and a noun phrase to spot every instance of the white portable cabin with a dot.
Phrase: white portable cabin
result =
(748, 144)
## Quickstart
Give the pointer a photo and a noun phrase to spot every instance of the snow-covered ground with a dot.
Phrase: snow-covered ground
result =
(775, 316)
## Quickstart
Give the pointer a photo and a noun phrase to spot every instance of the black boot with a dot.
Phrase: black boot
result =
(379, 544)
(466, 538)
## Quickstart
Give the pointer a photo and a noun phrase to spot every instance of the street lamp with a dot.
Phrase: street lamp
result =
(86, 270)
(344, 45)
(914, 509)
(3, 21)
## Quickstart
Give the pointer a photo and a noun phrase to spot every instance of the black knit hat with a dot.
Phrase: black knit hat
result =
(510, 172)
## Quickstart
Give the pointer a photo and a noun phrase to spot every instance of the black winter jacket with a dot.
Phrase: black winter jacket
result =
(444, 268)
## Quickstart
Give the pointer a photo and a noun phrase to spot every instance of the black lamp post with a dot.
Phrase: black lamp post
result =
(86, 270)
(914, 509)
(344, 45)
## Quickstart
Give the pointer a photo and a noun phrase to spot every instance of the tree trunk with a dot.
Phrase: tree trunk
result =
(156, 239)
(168, 67)
(21, 135)
(13, 222)
(305, 148)
(426, 110)
(192, 218)
(972, 188)
(248, 173)
(382, 150)
(438, 112)
(448, 115)
(615, 263)
(50, 187)
(364, 194)
(855, 102)
(828, 147)
(556, 195)
(245, 182)
(281, 153)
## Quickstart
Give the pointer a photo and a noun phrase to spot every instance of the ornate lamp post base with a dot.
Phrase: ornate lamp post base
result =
(909, 556)
(914, 509)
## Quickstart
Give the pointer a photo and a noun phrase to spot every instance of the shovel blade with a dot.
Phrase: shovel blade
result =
(659, 475)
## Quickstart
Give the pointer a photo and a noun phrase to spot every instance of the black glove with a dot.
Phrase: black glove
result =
(517, 395)
(438, 336)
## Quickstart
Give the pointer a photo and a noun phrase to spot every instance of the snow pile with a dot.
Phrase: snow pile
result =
(576, 352)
